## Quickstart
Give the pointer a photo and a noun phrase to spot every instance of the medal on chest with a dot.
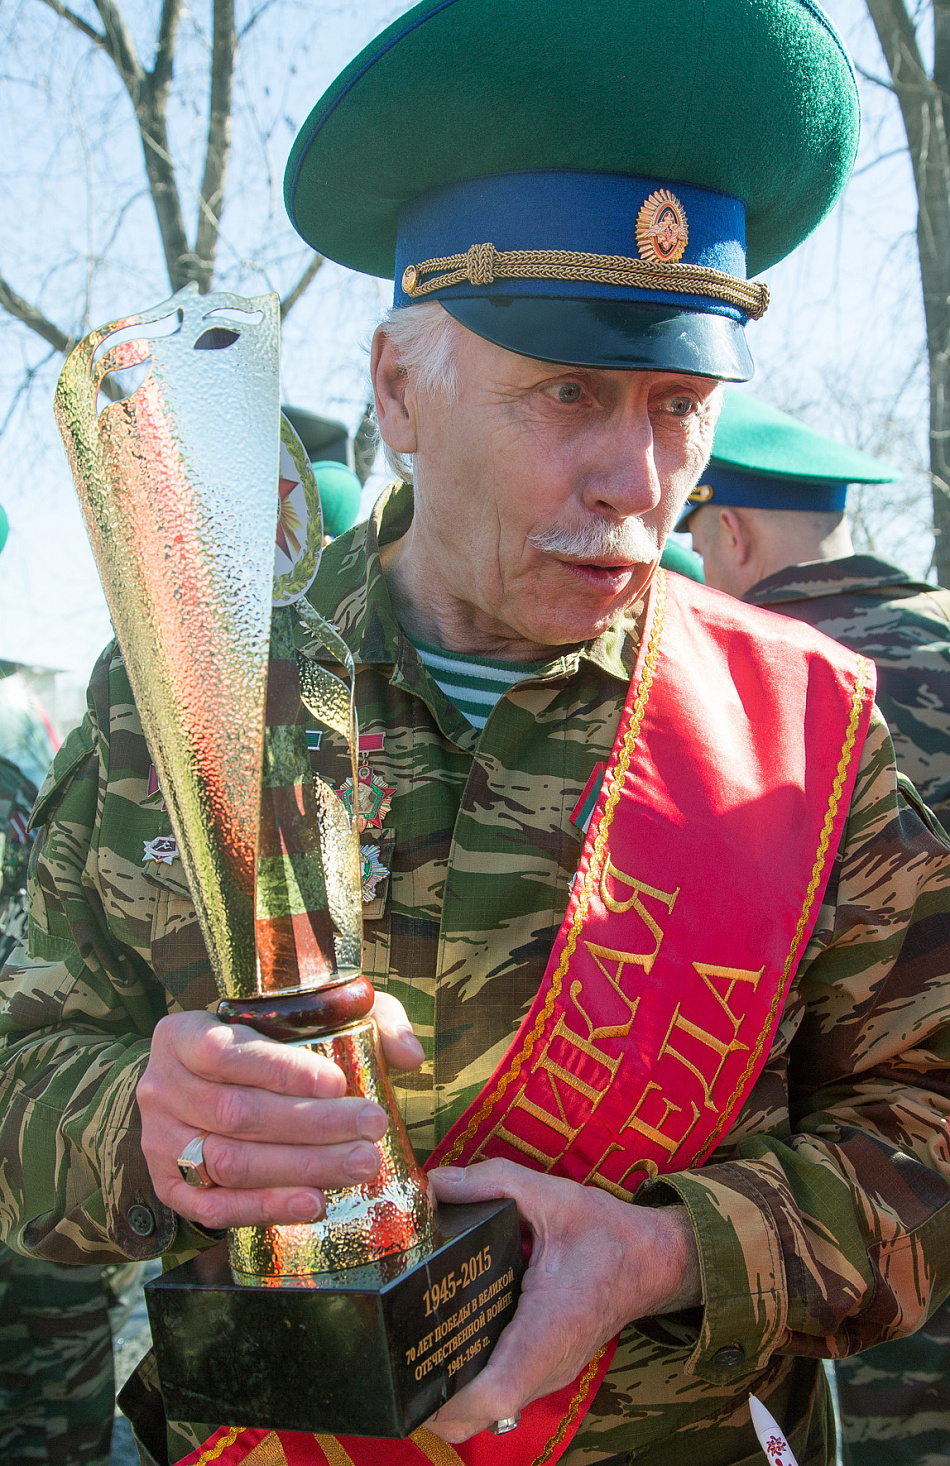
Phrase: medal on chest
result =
(373, 799)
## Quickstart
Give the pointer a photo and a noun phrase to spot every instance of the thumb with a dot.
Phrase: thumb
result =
(400, 1045)
(487, 1180)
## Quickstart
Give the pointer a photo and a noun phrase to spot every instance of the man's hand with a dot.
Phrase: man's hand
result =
(597, 1263)
(280, 1126)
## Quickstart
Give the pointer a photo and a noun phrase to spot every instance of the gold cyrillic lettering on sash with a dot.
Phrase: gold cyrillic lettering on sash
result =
(654, 1129)
(638, 888)
(707, 971)
(556, 1117)
(622, 1193)
(616, 957)
(526, 1148)
(722, 1047)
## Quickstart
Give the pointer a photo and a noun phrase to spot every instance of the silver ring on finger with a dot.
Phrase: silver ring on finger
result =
(502, 1427)
(191, 1163)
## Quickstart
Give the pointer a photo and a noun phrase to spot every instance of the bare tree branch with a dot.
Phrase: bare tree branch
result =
(923, 100)
(869, 76)
(64, 12)
(121, 46)
(898, 38)
(165, 50)
(941, 10)
(223, 48)
(255, 17)
(294, 294)
(31, 316)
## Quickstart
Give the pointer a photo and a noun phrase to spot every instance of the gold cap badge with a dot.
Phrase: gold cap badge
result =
(700, 495)
(661, 228)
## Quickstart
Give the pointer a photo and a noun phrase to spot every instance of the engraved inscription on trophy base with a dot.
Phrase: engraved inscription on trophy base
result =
(371, 1351)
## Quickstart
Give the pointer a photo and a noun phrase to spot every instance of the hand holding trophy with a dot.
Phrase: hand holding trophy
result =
(364, 1322)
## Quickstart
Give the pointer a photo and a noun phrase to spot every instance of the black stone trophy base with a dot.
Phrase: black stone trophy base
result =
(369, 1351)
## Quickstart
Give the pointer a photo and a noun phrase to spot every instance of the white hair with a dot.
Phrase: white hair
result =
(426, 340)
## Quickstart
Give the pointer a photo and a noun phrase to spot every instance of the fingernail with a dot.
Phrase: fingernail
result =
(330, 1082)
(362, 1163)
(373, 1122)
(449, 1173)
(407, 1037)
(307, 1207)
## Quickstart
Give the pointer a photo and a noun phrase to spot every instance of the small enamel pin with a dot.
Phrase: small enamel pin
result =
(583, 811)
(163, 848)
(372, 871)
(153, 786)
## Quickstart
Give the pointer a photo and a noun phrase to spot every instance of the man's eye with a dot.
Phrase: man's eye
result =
(568, 392)
(682, 406)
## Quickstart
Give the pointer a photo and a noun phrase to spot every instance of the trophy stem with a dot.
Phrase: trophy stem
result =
(390, 1214)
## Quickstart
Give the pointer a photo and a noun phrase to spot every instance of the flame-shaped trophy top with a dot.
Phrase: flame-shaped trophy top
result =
(171, 420)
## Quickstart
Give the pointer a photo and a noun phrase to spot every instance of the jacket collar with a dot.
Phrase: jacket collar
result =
(817, 578)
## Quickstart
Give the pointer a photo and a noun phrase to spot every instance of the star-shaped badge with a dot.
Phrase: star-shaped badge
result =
(163, 848)
(373, 799)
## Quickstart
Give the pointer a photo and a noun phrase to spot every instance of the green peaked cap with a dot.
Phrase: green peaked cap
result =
(760, 439)
(753, 98)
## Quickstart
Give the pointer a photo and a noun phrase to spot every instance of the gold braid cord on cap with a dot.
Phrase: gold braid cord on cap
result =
(483, 263)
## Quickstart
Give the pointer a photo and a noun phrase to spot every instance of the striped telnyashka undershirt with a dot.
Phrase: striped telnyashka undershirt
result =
(473, 684)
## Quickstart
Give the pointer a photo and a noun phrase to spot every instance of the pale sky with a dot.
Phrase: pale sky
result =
(842, 342)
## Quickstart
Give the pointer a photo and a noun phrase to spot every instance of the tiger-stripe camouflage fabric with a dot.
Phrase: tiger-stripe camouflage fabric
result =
(822, 1221)
(894, 1400)
(903, 625)
(57, 1390)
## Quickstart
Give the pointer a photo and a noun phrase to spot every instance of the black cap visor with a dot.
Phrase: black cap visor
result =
(620, 334)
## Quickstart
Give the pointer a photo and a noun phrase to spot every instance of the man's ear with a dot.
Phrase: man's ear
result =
(734, 536)
(394, 403)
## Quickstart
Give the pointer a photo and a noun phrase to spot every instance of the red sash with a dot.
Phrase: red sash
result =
(697, 891)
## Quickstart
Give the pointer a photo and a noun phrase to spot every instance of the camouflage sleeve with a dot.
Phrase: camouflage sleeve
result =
(74, 1036)
(830, 1232)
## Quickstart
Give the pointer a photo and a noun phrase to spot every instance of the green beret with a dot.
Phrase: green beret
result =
(340, 494)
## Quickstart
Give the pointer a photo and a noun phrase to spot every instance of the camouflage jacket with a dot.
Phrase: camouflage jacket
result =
(822, 1221)
(904, 626)
(17, 795)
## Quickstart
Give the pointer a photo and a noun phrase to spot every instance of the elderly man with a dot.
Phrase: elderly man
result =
(659, 942)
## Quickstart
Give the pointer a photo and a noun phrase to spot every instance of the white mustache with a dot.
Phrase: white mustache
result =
(631, 542)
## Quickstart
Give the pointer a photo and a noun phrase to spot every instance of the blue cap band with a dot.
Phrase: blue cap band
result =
(735, 490)
(586, 213)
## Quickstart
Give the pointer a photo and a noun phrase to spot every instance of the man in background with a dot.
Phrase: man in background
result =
(768, 519)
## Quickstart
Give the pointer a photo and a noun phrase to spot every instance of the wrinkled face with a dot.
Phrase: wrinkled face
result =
(546, 492)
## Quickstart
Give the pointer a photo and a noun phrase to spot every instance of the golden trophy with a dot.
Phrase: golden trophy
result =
(172, 425)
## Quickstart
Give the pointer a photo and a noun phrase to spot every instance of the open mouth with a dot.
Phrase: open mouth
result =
(607, 578)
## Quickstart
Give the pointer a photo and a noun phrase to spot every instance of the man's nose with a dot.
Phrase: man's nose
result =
(621, 477)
